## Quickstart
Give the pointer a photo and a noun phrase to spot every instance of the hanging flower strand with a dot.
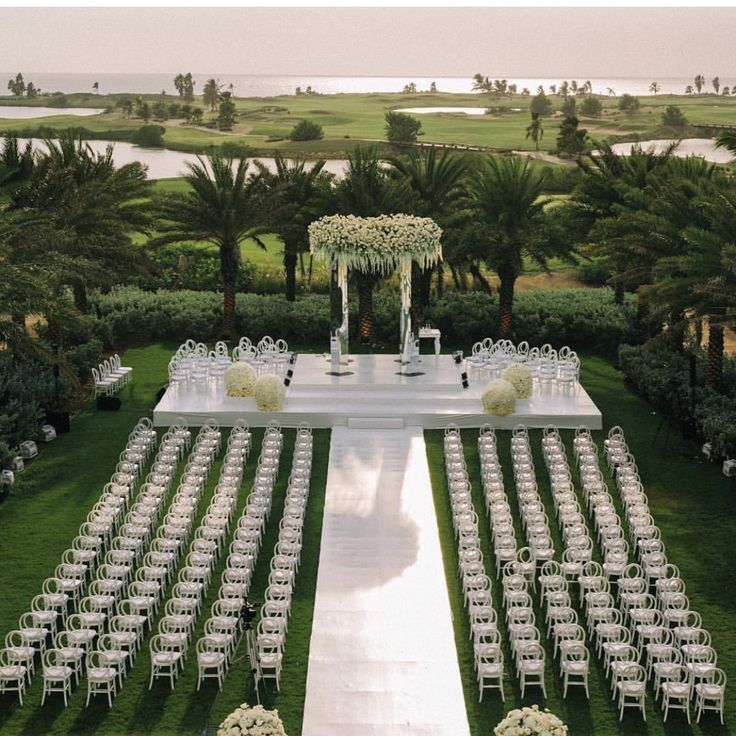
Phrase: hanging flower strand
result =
(377, 244)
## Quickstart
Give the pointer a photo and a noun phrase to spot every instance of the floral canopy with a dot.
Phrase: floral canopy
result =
(377, 244)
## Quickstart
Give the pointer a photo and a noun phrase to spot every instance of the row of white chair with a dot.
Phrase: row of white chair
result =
(110, 376)
(284, 565)
(477, 586)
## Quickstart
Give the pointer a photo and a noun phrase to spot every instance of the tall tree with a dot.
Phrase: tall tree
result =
(89, 208)
(510, 223)
(96, 87)
(571, 138)
(699, 82)
(654, 88)
(716, 82)
(302, 195)
(179, 85)
(535, 131)
(226, 113)
(223, 206)
(211, 93)
(17, 86)
(438, 181)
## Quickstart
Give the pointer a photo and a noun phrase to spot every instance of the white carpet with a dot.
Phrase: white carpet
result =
(382, 658)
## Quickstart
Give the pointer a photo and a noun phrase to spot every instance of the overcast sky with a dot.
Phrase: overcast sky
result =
(500, 42)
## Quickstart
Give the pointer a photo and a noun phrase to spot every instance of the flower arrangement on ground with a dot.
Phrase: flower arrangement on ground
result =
(376, 244)
(256, 721)
(270, 393)
(499, 398)
(520, 377)
(240, 380)
(530, 721)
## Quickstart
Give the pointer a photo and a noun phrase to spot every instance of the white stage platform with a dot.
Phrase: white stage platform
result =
(374, 396)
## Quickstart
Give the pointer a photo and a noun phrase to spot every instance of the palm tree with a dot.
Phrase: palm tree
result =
(610, 91)
(482, 84)
(223, 206)
(699, 82)
(438, 180)
(727, 140)
(716, 82)
(689, 89)
(510, 222)
(654, 88)
(553, 89)
(87, 209)
(535, 131)
(211, 93)
(368, 191)
(301, 194)
(587, 87)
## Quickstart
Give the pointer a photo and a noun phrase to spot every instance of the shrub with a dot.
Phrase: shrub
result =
(662, 377)
(581, 318)
(26, 391)
(591, 107)
(402, 128)
(628, 103)
(306, 130)
(81, 358)
(150, 136)
(674, 117)
(594, 273)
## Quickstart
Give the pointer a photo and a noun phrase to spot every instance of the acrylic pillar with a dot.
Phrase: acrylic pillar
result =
(405, 316)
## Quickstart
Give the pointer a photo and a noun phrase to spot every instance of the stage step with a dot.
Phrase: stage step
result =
(375, 423)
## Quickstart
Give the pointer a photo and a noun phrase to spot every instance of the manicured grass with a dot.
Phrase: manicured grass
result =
(690, 501)
(41, 517)
(351, 119)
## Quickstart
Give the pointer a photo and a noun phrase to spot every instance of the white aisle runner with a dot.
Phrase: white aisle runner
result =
(382, 658)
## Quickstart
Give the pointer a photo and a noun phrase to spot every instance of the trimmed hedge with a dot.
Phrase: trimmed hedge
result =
(584, 319)
(662, 377)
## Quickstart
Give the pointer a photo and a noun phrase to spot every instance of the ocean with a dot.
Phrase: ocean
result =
(250, 85)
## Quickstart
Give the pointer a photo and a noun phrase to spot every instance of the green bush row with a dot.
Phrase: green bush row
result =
(585, 319)
(662, 376)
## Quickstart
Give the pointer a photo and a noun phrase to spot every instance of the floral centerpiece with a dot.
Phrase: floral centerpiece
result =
(256, 721)
(270, 393)
(531, 721)
(520, 377)
(499, 398)
(240, 380)
(376, 244)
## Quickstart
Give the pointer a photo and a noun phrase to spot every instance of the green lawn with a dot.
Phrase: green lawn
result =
(39, 520)
(690, 500)
(350, 119)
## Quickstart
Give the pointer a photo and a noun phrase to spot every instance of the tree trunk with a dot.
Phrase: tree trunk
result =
(80, 297)
(228, 316)
(480, 278)
(506, 301)
(425, 285)
(440, 280)
(618, 292)
(715, 352)
(366, 283)
(290, 261)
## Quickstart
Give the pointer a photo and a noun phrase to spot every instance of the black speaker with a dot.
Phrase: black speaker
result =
(464, 378)
(108, 403)
(457, 356)
(59, 420)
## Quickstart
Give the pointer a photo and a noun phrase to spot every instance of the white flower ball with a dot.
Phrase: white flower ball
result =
(240, 380)
(270, 393)
(520, 377)
(499, 398)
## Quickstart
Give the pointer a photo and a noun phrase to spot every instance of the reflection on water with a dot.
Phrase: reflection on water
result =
(9, 112)
(703, 147)
(165, 164)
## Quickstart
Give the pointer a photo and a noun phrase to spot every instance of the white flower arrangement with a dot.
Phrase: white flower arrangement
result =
(531, 722)
(256, 721)
(499, 398)
(240, 380)
(270, 393)
(520, 377)
(377, 244)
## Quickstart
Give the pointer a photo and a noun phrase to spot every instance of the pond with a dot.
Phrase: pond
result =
(462, 110)
(9, 112)
(703, 147)
(165, 164)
